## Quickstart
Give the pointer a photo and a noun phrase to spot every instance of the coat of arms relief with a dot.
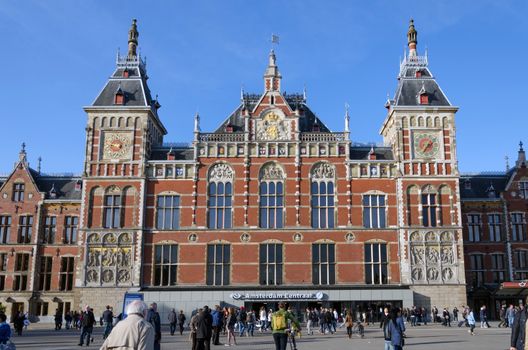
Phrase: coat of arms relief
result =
(273, 127)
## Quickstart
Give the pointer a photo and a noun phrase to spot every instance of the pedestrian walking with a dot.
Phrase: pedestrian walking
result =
(154, 318)
(230, 325)
(87, 323)
(397, 329)
(181, 321)
(58, 319)
(173, 320)
(279, 325)
(218, 320)
(471, 322)
(134, 332)
(510, 315)
(348, 324)
(455, 314)
(251, 319)
(484, 317)
(108, 321)
(203, 324)
(518, 332)
(68, 319)
(5, 330)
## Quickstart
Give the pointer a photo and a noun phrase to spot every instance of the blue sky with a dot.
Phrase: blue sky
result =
(57, 55)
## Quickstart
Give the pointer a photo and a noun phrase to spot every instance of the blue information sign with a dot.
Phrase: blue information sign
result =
(130, 297)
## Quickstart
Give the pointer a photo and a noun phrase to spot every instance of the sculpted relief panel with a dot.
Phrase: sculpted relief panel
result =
(273, 127)
(109, 260)
(432, 260)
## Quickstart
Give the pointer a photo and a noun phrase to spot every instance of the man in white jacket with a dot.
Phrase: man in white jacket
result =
(133, 333)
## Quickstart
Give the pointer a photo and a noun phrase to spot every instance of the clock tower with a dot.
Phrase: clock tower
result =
(122, 128)
(420, 129)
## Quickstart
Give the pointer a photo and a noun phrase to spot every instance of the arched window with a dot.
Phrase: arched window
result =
(323, 201)
(220, 197)
(271, 193)
(112, 208)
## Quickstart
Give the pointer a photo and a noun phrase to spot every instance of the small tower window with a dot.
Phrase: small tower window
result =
(126, 73)
(424, 99)
(272, 100)
(119, 98)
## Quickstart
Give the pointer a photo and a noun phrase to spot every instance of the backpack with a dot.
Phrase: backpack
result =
(278, 320)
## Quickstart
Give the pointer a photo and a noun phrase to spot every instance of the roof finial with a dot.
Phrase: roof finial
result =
(22, 154)
(304, 93)
(197, 123)
(133, 39)
(347, 117)
(521, 158)
(412, 38)
(507, 159)
(39, 164)
(242, 93)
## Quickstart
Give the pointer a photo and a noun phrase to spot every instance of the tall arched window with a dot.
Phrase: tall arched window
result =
(271, 191)
(323, 192)
(112, 208)
(220, 197)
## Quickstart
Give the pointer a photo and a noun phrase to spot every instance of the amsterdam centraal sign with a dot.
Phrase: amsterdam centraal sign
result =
(278, 296)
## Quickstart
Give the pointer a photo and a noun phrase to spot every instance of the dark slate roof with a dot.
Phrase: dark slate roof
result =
(362, 152)
(183, 153)
(134, 87)
(479, 186)
(62, 186)
(236, 119)
(410, 86)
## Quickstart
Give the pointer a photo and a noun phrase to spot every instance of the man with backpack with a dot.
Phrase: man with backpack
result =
(279, 326)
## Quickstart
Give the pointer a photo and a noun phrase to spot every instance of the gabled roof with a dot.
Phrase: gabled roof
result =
(64, 186)
(295, 101)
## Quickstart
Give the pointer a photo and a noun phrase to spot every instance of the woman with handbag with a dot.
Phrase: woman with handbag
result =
(349, 323)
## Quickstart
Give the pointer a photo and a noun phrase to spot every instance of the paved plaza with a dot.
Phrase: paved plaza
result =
(430, 338)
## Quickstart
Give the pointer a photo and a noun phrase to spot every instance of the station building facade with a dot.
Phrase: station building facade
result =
(270, 206)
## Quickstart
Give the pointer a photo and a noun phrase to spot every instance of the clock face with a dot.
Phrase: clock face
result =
(426, 145)
(116, 146)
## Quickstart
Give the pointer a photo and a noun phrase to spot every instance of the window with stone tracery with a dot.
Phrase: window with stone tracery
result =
(271, 192)
(220, 197)
(323, 196)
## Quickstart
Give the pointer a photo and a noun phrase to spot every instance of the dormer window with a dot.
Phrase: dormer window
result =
(418, 74)
(78, 185)
(316, 128)
(229, 128)
(423, 96)
(467, 185)
(126, 73)
(119, 98)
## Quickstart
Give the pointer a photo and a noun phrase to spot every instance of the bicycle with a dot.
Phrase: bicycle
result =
(359, 329)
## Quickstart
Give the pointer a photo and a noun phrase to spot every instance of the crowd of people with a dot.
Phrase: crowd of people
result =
(207, 326)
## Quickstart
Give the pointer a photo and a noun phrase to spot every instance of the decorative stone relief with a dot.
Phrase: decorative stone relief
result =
(433, 260)
(273, 127)
(192, 237)
(221, 172)
(349, 237)
(271, 171)
(323, 171)
(109, 258)
(245, 237)
(298, 237)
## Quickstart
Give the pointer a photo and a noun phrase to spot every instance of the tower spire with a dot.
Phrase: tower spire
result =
(347, 118)
(133, 39)
(272, 75)
(412, 38)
